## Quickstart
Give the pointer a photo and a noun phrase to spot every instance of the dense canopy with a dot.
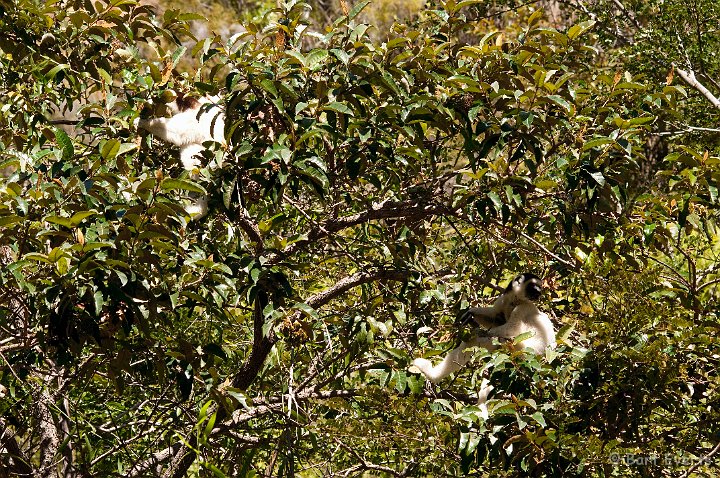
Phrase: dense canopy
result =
(374, 183)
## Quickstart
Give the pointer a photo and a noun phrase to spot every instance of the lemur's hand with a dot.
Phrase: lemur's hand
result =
(466, 318)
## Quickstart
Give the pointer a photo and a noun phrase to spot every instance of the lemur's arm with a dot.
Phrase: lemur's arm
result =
(485, 317)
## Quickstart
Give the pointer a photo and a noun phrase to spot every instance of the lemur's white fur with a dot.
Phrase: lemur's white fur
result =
(193, 122)
(521, 316)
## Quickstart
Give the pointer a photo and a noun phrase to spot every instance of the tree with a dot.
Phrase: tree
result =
(368, 193)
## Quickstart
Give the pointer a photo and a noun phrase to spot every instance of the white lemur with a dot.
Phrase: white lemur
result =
(193, 122)
(515, 306)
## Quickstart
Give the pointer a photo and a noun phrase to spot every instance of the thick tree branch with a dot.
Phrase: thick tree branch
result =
(688, 77)
(153, 465)
(50, 437)
(263, 344)
(384, 210)
(251, 229)
(360, 278)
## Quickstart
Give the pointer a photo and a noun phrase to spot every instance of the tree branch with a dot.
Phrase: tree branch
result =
(708, 284)
(49, 436)
(689, 77)
(628, 14)
(15, 460)
(347, 283)
(384, 210)
(152, 466)
(263, 344)
(684, 129)
(366, 465)
(251, 229)
(703, 460)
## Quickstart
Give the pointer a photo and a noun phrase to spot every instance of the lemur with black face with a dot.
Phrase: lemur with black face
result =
(193, 121)
(516, 306)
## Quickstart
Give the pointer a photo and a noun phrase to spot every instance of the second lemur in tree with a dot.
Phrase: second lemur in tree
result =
(516, 306)
(192, 122)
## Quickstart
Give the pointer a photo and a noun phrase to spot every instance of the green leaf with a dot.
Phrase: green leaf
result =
(338, 107)
(57, 69)
(78, 217)
(597, 142)
(315, 58)
(524, 336)
(187, 17)
(210, 424)
(22, 204)
(35, 256)
(216, 471)
(401, 381)
(565, 332)
(546, 185)
(239, 396)
(641, 120)
(182, 184)
(576, 30)
(17, 158)
(56, 254)
(538, 417)
(215, 350)
(99, 300)
(300, 106)
(297, 56)
(178, 54)
(598, 177)
(466, 3)
(110, 149)
(93, 245)
(341, 55)
(357, 9)
(495, 198)
(560, 101)
(125, 147)
(65, 144)
(535, 17)
(203, 411)
(631, 85)
(269, 86)
(61, 221)
(309, 311)
(8, 220)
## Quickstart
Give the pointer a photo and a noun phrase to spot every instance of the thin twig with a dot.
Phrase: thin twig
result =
(703, 460)
(525, 236)
(364, 463)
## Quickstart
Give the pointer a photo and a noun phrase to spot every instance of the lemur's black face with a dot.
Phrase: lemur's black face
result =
(528, 284)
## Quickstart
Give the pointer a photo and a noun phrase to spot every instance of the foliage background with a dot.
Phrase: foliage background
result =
(376, 181)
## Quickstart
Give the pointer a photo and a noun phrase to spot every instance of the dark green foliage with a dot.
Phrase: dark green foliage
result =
(368, 193)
